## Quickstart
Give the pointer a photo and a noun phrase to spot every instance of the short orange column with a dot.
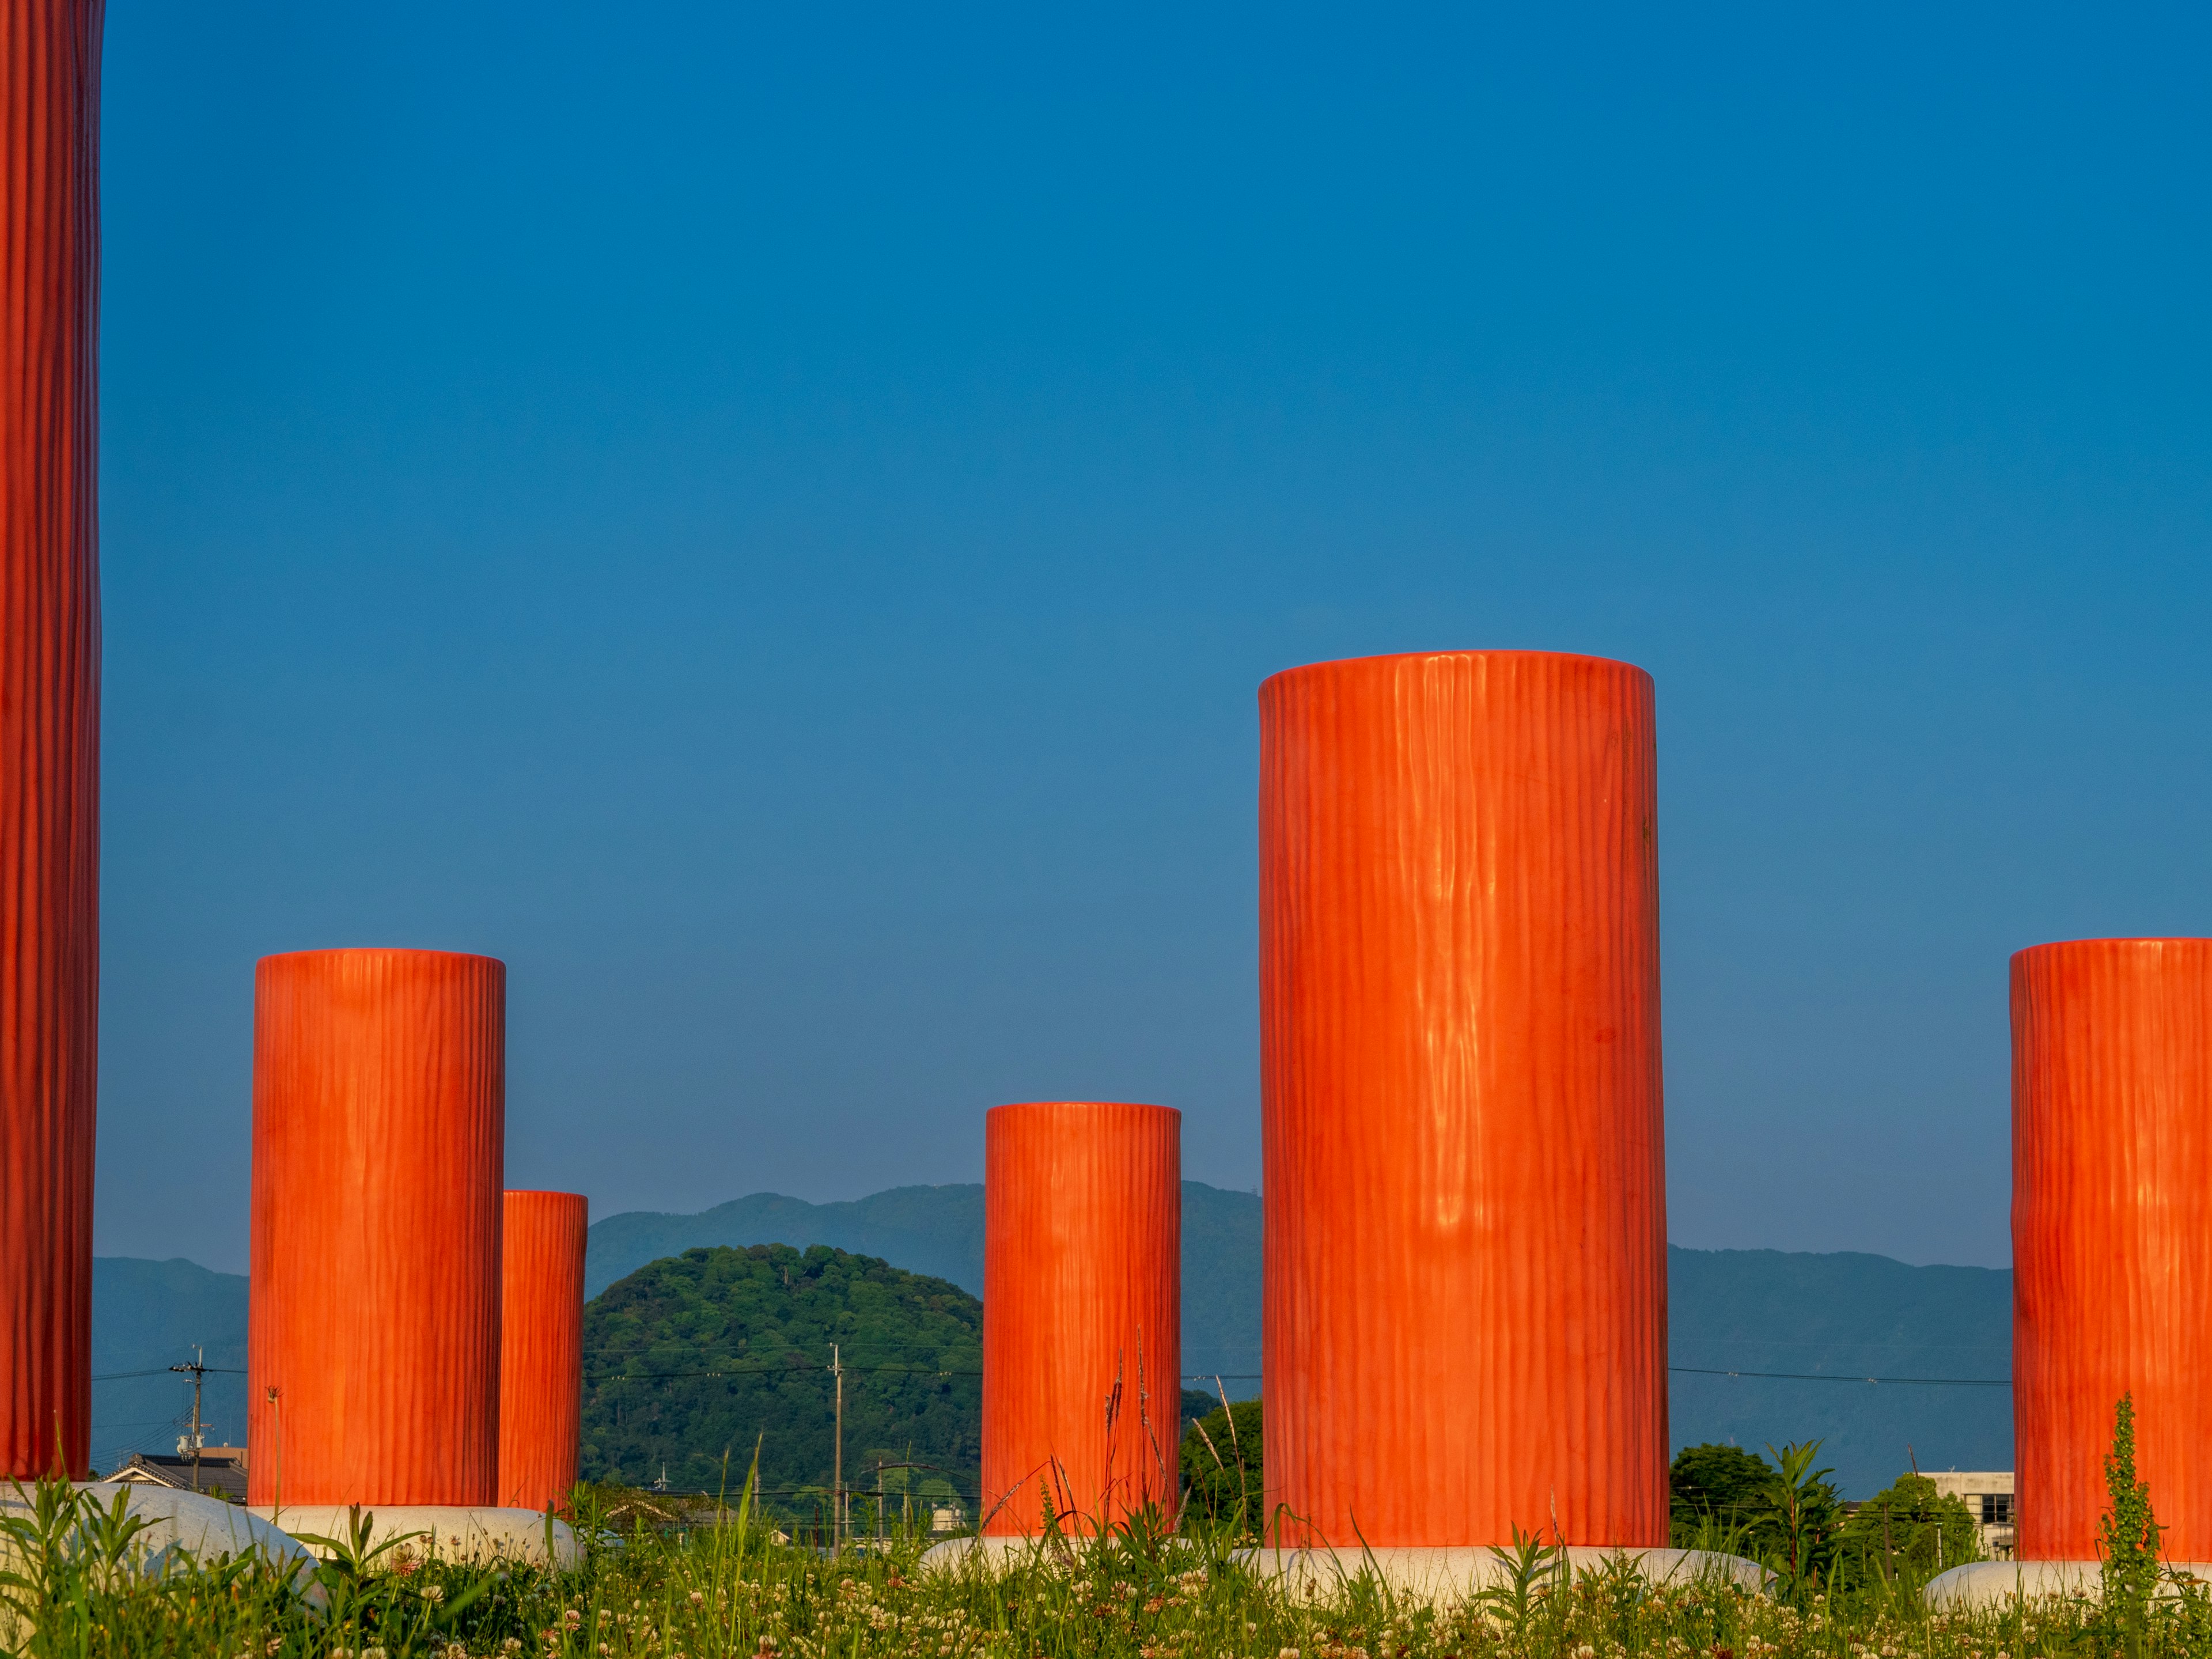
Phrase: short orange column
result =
(2111, 1234)
(1466, 1291)
(1082, 1313)
(541, 1347)
(48, 727)
(378, 1120)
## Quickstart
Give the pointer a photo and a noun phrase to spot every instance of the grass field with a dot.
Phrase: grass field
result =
(720, 1584)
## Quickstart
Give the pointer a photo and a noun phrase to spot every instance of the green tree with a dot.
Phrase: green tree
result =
(1715, 1490)
(1223, 1470)
(1907, 1530)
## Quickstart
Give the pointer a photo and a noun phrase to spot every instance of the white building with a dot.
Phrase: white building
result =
(1988, 1498)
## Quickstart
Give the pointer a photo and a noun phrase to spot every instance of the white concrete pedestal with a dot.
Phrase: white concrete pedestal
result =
(181, 1526)
(1443, 1575)
(182, 1523)
(1429, 1574)
(451, 1533)
(1992, 1583)
(990, 1554)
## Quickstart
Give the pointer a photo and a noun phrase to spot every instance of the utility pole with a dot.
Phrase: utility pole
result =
(837, 1474)
(197, 1371)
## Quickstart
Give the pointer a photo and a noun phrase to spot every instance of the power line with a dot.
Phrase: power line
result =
(1830, 1377)
(769, 1371)
(806, 1367)
(1777, 1377)
(1254, 1376)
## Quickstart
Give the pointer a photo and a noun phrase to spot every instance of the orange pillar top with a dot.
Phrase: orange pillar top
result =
(378, 1119)
(2112, 1228)
(1082, 1313)
(49, 728)
(541, 1347)
(1465, 1293)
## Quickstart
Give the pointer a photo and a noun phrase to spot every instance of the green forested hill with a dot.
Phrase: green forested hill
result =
(761, 1320)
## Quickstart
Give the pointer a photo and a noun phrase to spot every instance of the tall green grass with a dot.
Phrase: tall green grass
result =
(706, 1583)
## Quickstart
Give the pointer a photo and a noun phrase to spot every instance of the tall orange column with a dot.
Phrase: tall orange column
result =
(48, 727)
(541, 1347)
(378, 1120)
(1082, 1313)
(2111, 1234)
(1466, 1291)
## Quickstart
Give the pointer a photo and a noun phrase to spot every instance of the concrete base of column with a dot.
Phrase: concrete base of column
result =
(181, 1524)
(1441, 1576)
(1993, 1584)
(990, 1554)
(450, 1533)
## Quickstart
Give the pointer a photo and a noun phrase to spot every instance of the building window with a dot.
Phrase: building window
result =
(1996, 1509)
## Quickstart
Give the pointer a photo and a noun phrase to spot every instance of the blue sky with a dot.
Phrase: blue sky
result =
(771, 520)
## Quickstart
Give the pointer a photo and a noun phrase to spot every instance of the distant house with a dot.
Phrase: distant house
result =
(221, 1472)
(1988, 1494)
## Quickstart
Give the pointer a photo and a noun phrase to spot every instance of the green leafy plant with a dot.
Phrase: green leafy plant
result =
(2127, 1536)
(1805, 1507)
(1531, 1569)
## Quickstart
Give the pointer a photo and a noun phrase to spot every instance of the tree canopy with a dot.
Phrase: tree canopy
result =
(1222, 1466)
(1725, 1484)
(1907, 1525)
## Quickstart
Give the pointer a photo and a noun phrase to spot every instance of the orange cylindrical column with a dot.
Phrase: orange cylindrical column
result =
(1465, 1233)
(2111, 1234)
(372, 1337)
(541, 1347)
(1082, 1313)
(48, 727)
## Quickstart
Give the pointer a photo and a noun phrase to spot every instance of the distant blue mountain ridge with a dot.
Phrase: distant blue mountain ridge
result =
(1839, 1318)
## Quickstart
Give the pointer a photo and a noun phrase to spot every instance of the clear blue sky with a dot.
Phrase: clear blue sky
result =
(770, 520)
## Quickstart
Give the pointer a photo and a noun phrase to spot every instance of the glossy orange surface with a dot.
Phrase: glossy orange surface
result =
(48, 727)
(379, 1122)
(2112, 1232)
(541, 1347)
(1082, 1312)
(1466, 1292)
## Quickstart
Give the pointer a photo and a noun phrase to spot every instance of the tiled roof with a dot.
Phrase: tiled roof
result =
(223, 1477)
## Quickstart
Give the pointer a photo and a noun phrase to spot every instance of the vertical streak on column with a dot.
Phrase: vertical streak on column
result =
(1465, 1304)
(1082, 1313)
(49, 726)
(541, 1347)
(379, 1128)
(2112, 1226)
